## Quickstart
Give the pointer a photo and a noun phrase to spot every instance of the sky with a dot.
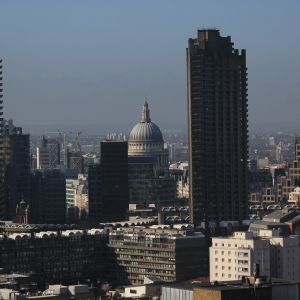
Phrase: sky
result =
(91, 62)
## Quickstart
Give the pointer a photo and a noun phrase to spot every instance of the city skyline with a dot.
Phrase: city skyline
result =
(80, 62)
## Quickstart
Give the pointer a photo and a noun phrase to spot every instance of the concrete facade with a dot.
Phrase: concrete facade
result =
(217, 128)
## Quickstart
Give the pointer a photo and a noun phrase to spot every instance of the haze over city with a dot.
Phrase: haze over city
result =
(90, 62)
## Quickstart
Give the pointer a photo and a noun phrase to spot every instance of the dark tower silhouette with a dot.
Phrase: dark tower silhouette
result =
(217, 128)
(114, 180)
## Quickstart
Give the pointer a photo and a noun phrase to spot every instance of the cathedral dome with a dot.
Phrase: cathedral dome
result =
(146, 139)
(146, 130)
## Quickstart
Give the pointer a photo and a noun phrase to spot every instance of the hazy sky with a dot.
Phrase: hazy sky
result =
(90, 62)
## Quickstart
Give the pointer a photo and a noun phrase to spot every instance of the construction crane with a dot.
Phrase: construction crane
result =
(65, 147)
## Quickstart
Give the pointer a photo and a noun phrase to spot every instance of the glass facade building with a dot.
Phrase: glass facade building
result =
(145, 184)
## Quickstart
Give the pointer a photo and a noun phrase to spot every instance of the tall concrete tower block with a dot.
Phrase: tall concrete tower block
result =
(217, 128)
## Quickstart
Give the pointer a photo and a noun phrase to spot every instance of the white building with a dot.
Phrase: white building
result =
(77, 198)
(278, 256)
(294, 197)
(171, 149)
(233, 257)
(284, 255)
(183, 181)
(44, 160)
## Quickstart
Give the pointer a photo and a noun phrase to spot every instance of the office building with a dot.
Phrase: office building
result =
(217, 128)
(48, 154)
(114, 180)
(170, 254)
(77, 199)
(94, 191)
(76, 161)
(48, 196)
(145, 184)
(43, 158)
(16, 167)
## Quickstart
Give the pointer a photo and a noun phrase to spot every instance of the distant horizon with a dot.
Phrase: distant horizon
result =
(125, 128)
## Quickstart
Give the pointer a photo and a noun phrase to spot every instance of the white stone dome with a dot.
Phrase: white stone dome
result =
(144, 131)
(146, 139)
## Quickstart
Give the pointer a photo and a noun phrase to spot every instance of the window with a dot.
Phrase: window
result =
(132, 291)
(229, 252)
(216, 251)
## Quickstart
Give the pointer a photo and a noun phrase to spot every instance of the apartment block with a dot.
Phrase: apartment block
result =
(217, 128)
(54, 256)
(284, 255)
(169, 254)
(48, 196)
(274, 249)
(287, 184)
(233, 257)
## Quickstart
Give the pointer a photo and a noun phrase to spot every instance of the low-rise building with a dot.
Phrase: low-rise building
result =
(274, 249)
(170, 254)
(53, 256)
(274, 289)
